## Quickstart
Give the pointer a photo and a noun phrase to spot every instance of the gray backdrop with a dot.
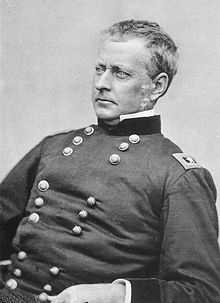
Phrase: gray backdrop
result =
(48, 48)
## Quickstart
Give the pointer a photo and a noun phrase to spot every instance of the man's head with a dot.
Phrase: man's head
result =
(136, 64)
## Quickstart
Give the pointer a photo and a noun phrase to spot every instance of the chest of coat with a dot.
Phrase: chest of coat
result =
(123, 191)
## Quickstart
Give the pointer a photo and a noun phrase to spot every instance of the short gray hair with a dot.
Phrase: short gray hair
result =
(162, 48)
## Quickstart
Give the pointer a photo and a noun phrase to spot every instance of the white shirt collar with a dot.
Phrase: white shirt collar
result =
(146, 113)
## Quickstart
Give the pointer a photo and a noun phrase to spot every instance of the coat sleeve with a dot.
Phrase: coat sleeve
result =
(14, 193)
(189, 270)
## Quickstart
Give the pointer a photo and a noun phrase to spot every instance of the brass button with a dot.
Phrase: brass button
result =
(34, 217)
(54, 270)
(12, 284)
(43, 185)
(89, 130)
(77, 230)
(22, 255)
(77, 140)
(83, 214)
(123, 146)
(39, 202)
(134, 138)
(114, 159)
(47, 287)
(43, 297)
(67, 151)
(91, 201)
(17, 272)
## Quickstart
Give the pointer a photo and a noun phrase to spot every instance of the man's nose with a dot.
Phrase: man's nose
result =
(104, 81)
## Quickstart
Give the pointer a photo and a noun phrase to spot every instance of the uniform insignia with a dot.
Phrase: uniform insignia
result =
(186, 161)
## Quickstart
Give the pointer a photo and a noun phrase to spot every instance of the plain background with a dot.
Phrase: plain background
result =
(48, 49)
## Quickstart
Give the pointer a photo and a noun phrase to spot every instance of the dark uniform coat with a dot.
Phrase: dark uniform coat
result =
(90, 209)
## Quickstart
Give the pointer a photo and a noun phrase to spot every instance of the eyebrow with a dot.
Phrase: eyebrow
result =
(117, 66)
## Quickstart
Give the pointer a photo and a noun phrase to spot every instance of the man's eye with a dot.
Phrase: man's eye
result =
(122, 75)
(99, 70)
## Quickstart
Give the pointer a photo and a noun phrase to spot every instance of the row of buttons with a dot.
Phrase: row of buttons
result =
(67, 151)
(114, 159)
(77, 140)
(22, 255)
(34, 217)
(77, 230)
(13, 284)
(83, 214)
(43, 185)
(88, 131)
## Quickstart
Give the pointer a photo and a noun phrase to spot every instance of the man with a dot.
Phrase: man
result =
(113, 212)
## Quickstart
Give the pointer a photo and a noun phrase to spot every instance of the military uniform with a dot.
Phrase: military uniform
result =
(102, 203)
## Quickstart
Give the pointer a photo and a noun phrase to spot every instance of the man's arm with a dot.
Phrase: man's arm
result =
(189, 269)
(14, 194)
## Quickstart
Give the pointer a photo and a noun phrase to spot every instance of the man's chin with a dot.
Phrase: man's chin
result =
(112, 121)
(107, 118)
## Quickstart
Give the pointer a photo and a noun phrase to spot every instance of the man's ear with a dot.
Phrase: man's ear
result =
(159, 86)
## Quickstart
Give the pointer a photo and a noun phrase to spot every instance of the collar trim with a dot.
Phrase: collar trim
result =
(139, 126)
(145, 113)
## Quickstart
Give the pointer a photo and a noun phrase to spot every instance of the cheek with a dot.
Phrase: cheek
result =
(134, 91)
(137, 89)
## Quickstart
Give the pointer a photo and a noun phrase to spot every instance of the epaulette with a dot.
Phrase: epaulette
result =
(186, 161)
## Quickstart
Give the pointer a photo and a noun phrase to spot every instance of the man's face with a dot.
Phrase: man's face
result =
(121, 84)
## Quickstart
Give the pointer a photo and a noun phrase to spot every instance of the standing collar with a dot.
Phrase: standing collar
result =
(145, 113)
(139, 126)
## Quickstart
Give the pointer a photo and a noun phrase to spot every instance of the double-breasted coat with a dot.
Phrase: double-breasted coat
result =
(101, 203)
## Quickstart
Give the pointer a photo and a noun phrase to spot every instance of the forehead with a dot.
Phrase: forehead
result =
(131, 53)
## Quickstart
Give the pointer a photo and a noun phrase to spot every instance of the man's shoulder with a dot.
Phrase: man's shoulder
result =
(179, 157)
(162, 148)
(171, 168)
(170, 158)
(57, 140)
(59, 135)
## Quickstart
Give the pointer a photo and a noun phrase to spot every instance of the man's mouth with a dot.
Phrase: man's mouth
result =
(104, 100)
